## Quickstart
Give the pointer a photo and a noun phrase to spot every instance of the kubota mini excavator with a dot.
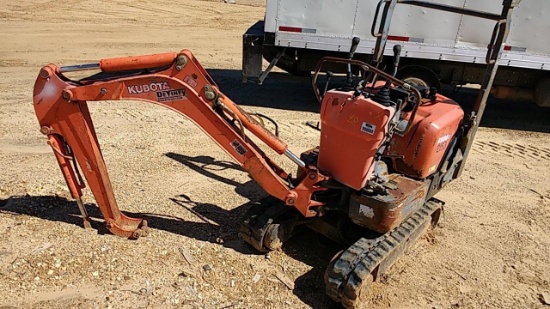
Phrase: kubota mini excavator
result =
(386, 148)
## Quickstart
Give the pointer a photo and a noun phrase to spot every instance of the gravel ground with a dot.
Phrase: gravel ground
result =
(490, 250)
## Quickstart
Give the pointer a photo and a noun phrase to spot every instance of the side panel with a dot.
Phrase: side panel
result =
(419, 153)
(271, 10)
(425, 25)
(352, 130)
(531, 27)
(476, 32)
(324, 18)
(330, 25)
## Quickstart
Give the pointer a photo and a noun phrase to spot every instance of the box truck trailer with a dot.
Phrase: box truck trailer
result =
(436, 48)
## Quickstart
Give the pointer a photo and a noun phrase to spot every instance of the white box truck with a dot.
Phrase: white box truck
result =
(436, 48)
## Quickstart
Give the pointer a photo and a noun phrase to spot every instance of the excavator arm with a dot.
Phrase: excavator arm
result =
(173, 80)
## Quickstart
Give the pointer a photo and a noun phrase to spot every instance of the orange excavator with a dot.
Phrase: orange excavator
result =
(386, 148)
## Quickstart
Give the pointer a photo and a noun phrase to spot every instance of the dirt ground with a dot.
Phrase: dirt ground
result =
(491, 249)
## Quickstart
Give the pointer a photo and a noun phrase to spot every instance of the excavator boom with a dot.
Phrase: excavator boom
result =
(173, 80)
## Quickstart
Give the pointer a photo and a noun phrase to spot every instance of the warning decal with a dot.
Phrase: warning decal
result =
(368, 128)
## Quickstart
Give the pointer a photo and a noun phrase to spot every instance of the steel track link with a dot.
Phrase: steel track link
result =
(357, 267)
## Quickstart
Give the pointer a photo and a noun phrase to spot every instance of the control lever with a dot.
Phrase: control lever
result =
(396, 58)
(354, 43)
(329, 76)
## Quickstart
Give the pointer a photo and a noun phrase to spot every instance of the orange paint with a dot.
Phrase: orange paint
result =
(352, 131)
(431, 133)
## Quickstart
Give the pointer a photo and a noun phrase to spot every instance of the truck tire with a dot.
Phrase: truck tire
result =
(542, 93)
(419, 75)
(287, 62)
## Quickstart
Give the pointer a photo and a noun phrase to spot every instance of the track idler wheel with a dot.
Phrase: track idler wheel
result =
(268, 224)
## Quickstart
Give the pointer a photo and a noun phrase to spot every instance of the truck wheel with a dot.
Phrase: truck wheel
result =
(542, 93)
(287, 62)
(419, 75)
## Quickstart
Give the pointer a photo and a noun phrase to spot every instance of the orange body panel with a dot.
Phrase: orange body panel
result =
(431, 133)
(352, 130)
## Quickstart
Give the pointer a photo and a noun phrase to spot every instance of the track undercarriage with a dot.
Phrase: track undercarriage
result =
(268, 224)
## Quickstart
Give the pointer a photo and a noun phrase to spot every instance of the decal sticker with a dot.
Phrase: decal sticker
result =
(368, 128)
(238, 147)
(170, 95)
(151, 87)
(190, 81)
(366, 211)
(442, 142)
(352, 118)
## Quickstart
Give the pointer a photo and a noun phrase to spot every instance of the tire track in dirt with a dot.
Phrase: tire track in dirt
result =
(512, 150)
(298, 127)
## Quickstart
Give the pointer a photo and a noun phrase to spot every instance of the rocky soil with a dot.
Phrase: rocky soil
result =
(490, 250)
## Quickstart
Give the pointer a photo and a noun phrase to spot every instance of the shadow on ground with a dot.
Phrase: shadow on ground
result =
(284, 91)
(214, 224)
(280, 90)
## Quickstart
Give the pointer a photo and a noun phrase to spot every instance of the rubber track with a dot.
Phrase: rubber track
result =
(345, 277)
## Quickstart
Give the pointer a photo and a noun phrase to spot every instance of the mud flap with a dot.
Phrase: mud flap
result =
(252, 51)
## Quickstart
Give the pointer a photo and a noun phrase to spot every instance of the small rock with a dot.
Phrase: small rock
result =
(50, 272)
(230, 1)
(189, 290)
(267, 256)
(545, 298)
(207, 267)
(285, 280)
(187, 273)
(95, 273)
(41, 248)
(256, 278)
(232, 283)
(187, 256)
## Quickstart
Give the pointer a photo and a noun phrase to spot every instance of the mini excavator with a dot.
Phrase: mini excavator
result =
(386, 148)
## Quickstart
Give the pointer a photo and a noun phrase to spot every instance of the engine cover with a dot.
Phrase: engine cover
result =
(352, 131)
(419, 152)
